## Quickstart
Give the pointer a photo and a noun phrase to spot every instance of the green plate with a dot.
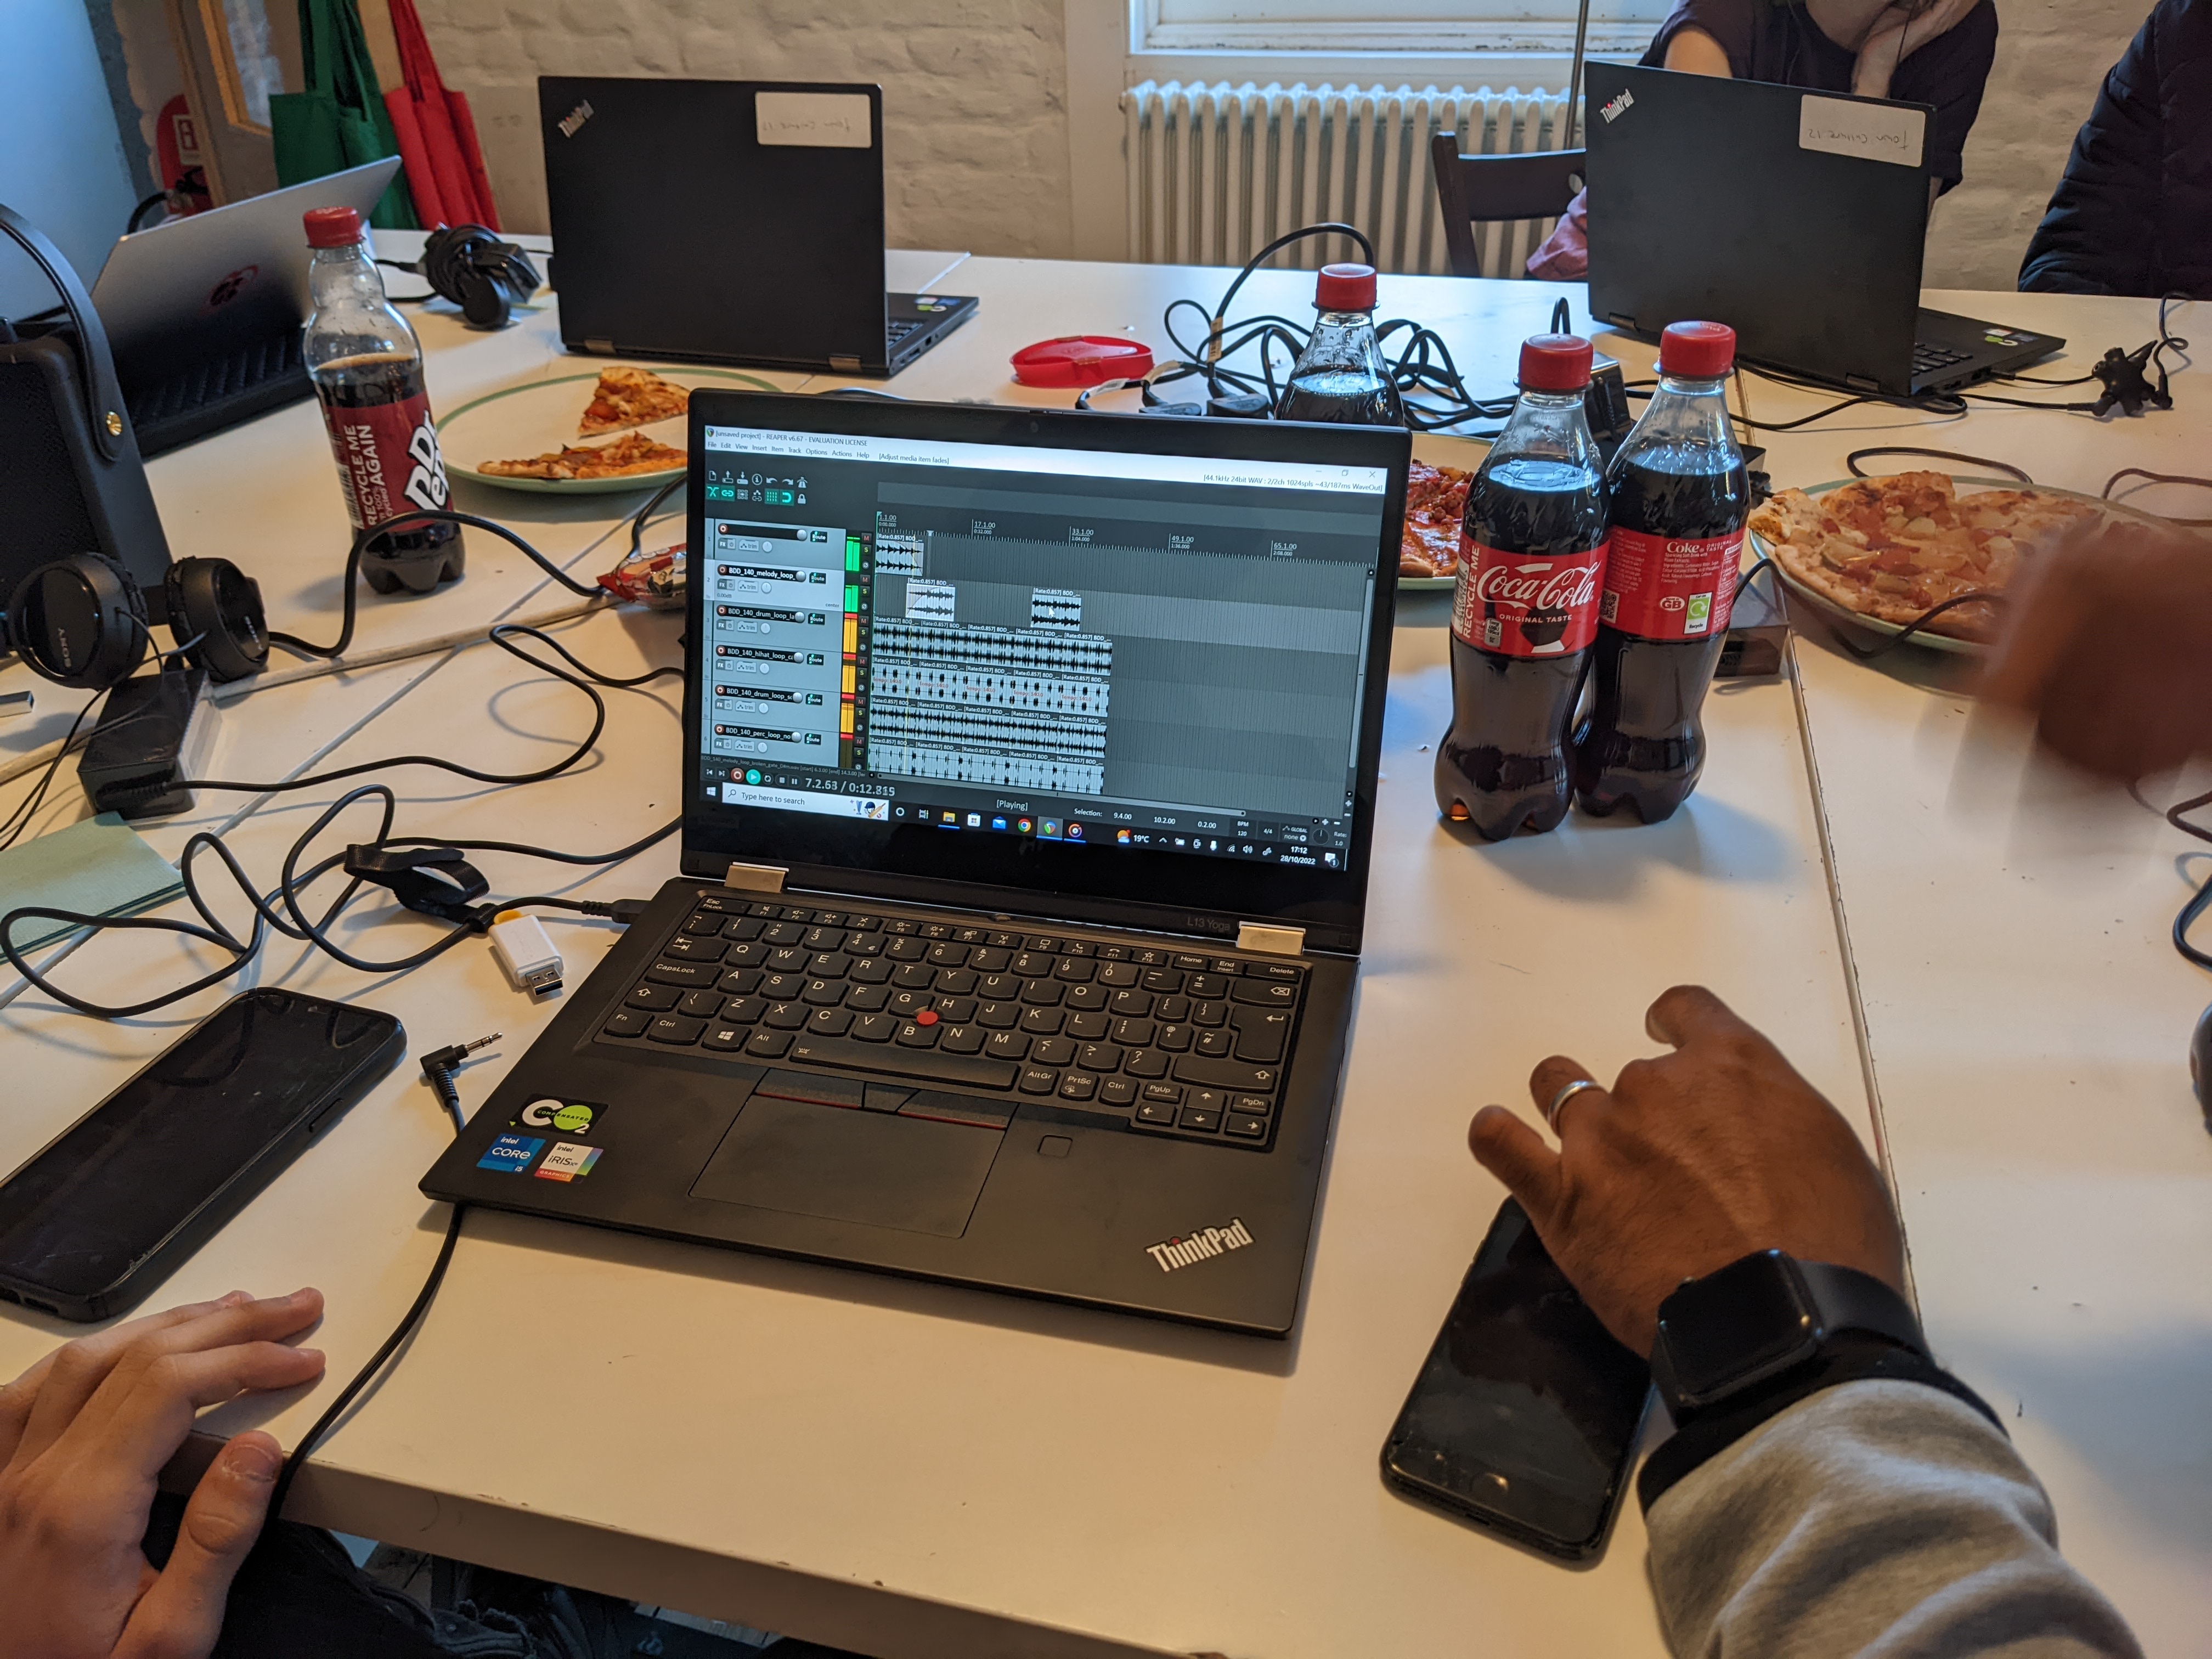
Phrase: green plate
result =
(539, 416)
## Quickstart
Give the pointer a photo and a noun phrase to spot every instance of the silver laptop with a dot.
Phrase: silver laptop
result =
(202, 313)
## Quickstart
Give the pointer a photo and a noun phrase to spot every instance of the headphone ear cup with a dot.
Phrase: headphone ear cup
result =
(483, 298)
(215, 615)
(79, 621)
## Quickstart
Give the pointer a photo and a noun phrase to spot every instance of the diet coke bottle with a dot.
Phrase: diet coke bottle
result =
(1524, 608)
(1678, 496)
(367, 370)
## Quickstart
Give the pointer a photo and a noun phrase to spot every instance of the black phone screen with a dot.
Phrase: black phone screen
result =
(1527, 1408)
(126, 1176)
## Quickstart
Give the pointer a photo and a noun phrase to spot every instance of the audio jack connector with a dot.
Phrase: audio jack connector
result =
(439, 1066)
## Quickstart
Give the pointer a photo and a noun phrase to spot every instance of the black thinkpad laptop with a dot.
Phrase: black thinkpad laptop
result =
(728, 221)
(1029, 782)
(1799, 218)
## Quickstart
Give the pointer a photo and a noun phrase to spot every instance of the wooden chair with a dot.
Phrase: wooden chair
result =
(1482, 190)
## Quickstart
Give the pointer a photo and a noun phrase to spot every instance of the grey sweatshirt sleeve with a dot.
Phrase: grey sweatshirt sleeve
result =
(1875, 1518)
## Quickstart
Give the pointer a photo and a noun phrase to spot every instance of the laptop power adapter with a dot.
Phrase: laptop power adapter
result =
(156, 731)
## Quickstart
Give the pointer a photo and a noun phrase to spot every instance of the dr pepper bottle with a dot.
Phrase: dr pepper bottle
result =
(368, 369)
(1524, 604)
(1679, 496)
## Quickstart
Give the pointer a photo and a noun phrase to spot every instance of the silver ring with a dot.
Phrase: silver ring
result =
(1551, 1111)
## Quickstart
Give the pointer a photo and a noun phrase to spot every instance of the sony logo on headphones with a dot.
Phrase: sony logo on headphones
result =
(1613, 111)
(573, 123)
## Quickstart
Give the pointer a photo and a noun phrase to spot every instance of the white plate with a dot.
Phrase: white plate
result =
(1842, 613)
(540, 416)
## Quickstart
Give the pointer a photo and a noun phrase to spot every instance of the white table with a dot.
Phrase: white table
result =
(910, 1469)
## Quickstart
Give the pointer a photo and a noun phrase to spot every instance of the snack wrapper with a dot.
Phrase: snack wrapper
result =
(652, 577)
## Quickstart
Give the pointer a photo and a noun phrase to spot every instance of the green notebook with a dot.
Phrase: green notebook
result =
(99, 867)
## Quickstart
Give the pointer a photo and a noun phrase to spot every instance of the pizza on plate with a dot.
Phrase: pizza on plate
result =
(1436, 502)
(635, 453)
(1894, 549)
(627, 397)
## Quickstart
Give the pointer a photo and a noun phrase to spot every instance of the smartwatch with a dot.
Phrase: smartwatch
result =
(1724, 1336)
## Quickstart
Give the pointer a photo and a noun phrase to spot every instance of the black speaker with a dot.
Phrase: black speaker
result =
(72, 481)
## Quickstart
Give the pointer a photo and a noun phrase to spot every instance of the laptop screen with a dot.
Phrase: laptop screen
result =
(1131, 655)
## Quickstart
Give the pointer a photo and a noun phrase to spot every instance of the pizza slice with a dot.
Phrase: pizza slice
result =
(628, 396)
(635, 453)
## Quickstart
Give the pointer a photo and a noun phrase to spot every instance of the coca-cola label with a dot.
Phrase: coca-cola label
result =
(1520, 605)
(1670, 588)
(388, 458)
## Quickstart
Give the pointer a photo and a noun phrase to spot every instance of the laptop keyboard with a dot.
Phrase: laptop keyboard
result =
(1934, 359)
(1182, 1043)
(221, 379)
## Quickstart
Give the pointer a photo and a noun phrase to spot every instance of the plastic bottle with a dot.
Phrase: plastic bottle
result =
(368, 369)
(1679, 496)
(1340, 375)
(1524, 604)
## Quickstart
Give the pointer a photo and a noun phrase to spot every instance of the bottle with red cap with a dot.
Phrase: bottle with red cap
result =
(1341, 376)
(1524, 604)
(1678, 496)
(368, 369)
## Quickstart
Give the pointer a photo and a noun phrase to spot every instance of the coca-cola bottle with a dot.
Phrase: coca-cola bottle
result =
(1340, 375)
(1525, 607)
(367, 370)
(1678, 496)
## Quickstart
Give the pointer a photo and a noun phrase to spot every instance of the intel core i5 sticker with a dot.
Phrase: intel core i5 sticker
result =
(568, 1162)
(511, 1153)
(570, 1117)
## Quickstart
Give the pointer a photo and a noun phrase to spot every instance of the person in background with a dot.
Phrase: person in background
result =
(1921, 51)
(2133, 213)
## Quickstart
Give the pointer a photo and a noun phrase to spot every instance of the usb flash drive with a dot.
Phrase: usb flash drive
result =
(525, 951)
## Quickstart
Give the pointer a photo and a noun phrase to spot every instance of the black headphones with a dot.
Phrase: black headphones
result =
(82, 621)
(487, 277)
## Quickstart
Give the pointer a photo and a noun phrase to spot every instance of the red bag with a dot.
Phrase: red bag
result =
(444, 155)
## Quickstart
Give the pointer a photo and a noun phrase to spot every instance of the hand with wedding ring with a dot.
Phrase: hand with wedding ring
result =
(1686, 1163)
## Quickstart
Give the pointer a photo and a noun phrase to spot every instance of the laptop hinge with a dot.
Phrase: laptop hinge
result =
(1274, 941)
(848, 365)
(603, 348)
(755, 878)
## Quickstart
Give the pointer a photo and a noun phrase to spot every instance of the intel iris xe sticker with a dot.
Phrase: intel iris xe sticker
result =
(570, 1117)
(511, 1153)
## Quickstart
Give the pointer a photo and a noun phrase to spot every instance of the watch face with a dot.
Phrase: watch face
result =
(1744, 1323)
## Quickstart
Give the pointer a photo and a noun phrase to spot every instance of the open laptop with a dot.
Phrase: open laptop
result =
(204, 312)
(1798, 218)
(728, 221)
(1028, 782)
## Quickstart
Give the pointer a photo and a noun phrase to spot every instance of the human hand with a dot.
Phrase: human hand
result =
(1895, 34)
(83, 1436)
(1687, 1162)
(2108, 648)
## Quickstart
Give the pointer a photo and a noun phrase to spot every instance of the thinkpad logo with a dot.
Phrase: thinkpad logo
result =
(1201, 1246)
(571, 124)
(1613, 111)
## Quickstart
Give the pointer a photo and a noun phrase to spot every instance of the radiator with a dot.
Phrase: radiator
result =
(1216, 173)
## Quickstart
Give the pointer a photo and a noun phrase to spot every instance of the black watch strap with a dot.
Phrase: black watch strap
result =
(1853, 1301)
(1851, 1356)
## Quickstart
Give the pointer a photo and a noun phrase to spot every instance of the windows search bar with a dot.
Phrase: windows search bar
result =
(872, 808)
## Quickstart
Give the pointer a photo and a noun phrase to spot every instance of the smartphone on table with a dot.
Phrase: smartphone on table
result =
(1524, 1417)
(125, 1195)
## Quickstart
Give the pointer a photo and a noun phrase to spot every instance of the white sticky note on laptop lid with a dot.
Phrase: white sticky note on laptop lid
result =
(816, 120)
(1873, 132)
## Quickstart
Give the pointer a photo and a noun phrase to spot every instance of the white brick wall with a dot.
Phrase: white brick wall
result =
(974, 93)
(2052, 58)
(976, 103)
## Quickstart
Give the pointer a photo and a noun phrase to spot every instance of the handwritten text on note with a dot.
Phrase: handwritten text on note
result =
(1874, 132)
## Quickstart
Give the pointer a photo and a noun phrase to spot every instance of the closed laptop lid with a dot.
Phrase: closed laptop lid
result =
(195, 288)
(1115, 668)
(1796, 217)
(729, 221)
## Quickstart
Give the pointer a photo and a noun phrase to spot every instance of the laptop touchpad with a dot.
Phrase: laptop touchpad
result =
(883, 1169)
